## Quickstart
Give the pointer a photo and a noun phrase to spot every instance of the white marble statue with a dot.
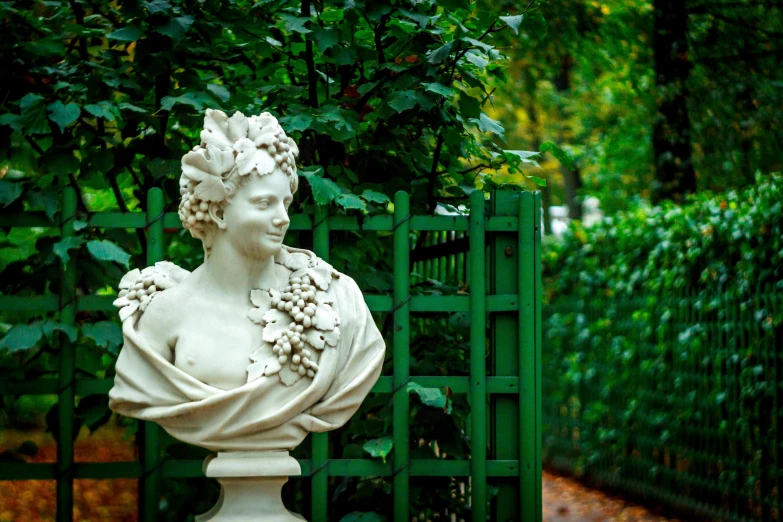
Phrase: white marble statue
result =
(262, 343)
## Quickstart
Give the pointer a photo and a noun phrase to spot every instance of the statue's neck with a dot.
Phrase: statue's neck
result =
(234, 274)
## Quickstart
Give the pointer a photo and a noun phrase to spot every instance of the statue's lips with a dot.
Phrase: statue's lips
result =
(276, 237)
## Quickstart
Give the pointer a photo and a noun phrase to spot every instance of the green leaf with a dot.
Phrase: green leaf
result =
(469, 106)
(379, 447)
(300, 122)
(63, 115)
(487, 124)
(522, 156)
(126, 34)
(49, 327)
(513, 22)
(177, 28)
(351, 201)
(93, 411)
(34, 118)
(220, 91)
(440, 54)
(197, 100)
(375, 197)
(131, 107)
(294, 24)
(103, 109)
(439, 88)
(105, 250)
(324, 190)
(9, 192)
(356, 516)
(50, 46)
(403, 100)
(62, 247)
(21, 337)
(541, 182)
(11, 120)
(157, 6)
(431, 397)
(105, 334)
(477, 59)
(325, 37)
(561, 155)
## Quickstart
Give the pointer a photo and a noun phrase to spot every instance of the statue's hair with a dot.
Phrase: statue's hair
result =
(231, 150)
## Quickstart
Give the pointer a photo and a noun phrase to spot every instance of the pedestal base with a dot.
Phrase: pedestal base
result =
(250, 484)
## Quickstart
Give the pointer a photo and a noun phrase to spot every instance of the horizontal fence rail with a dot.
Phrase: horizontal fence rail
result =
(675, 399)
(494, 390)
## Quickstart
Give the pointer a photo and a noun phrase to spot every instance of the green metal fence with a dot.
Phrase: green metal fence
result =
(675, 399)
(505, 359)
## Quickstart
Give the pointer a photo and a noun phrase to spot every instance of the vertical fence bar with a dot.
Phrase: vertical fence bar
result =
(538, 328)
(320, 441)
(478, 391)
(401, 404)
(66, 395)
(529, 360)
(149, 432)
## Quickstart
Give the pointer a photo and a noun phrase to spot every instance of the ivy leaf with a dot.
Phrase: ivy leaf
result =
(522, 156)
(105, 334)
(103, 109)
(11, 120)
(63, 115)
(513, 22)
(176, 28)
(9, 192)
(350, 201)
(379, 447)
(131, 107)
(157, 6)
(439, 88)
(197, 100)
(440, 54)
(105, 250)
(324, 190)
(375, 197)
(562, 156)
(62, 247)
(34, 118)
(22, 337)
(126, 34)
(295, 24)
(325, 37)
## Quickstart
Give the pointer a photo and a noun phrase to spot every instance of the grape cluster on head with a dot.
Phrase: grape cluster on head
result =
(298, 299)
(193, 212)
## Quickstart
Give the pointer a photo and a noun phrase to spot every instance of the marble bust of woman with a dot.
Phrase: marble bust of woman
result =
(262, 343)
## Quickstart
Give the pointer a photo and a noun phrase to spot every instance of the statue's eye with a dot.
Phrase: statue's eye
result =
(264, 203)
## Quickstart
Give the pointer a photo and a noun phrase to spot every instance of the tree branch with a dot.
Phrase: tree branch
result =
(312, 79)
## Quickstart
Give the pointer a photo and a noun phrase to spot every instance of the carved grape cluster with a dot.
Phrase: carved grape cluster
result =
(193, 212)
(298, 299)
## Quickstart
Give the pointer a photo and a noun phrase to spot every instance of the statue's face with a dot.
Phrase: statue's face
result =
(256, 219)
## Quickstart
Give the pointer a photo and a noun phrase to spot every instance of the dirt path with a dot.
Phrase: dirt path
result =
(567, 500)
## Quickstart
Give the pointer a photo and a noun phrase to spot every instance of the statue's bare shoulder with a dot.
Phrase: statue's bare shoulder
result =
(161, 323)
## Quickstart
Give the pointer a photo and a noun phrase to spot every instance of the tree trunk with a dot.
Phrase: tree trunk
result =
(674, 174)
(572, 178)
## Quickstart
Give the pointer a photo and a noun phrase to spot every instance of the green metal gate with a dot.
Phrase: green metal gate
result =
(504, 385)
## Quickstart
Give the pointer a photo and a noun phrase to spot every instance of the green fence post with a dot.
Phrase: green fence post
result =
(401, 404)
(148, 432)
(66, 388)
(504, 353)
(530, 359)
(320, 441)
(478, 371)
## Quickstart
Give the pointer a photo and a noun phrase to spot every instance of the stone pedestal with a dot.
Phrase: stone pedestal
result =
(250, 484)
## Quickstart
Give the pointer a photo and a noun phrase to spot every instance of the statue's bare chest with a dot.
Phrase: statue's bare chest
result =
(214, 344)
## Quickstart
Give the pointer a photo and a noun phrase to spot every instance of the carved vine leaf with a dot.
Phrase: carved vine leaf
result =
(323, 297)
(237, 127)
(250, 158)
(319, 339)
(201, 164)
(288, 376)
(261, 299)
(321, 275)
(129, 279)
(263, 364)
(297, 261)
(325, 318)
(276, 324)
(256, 315)
(216, 131)
(129, 310)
